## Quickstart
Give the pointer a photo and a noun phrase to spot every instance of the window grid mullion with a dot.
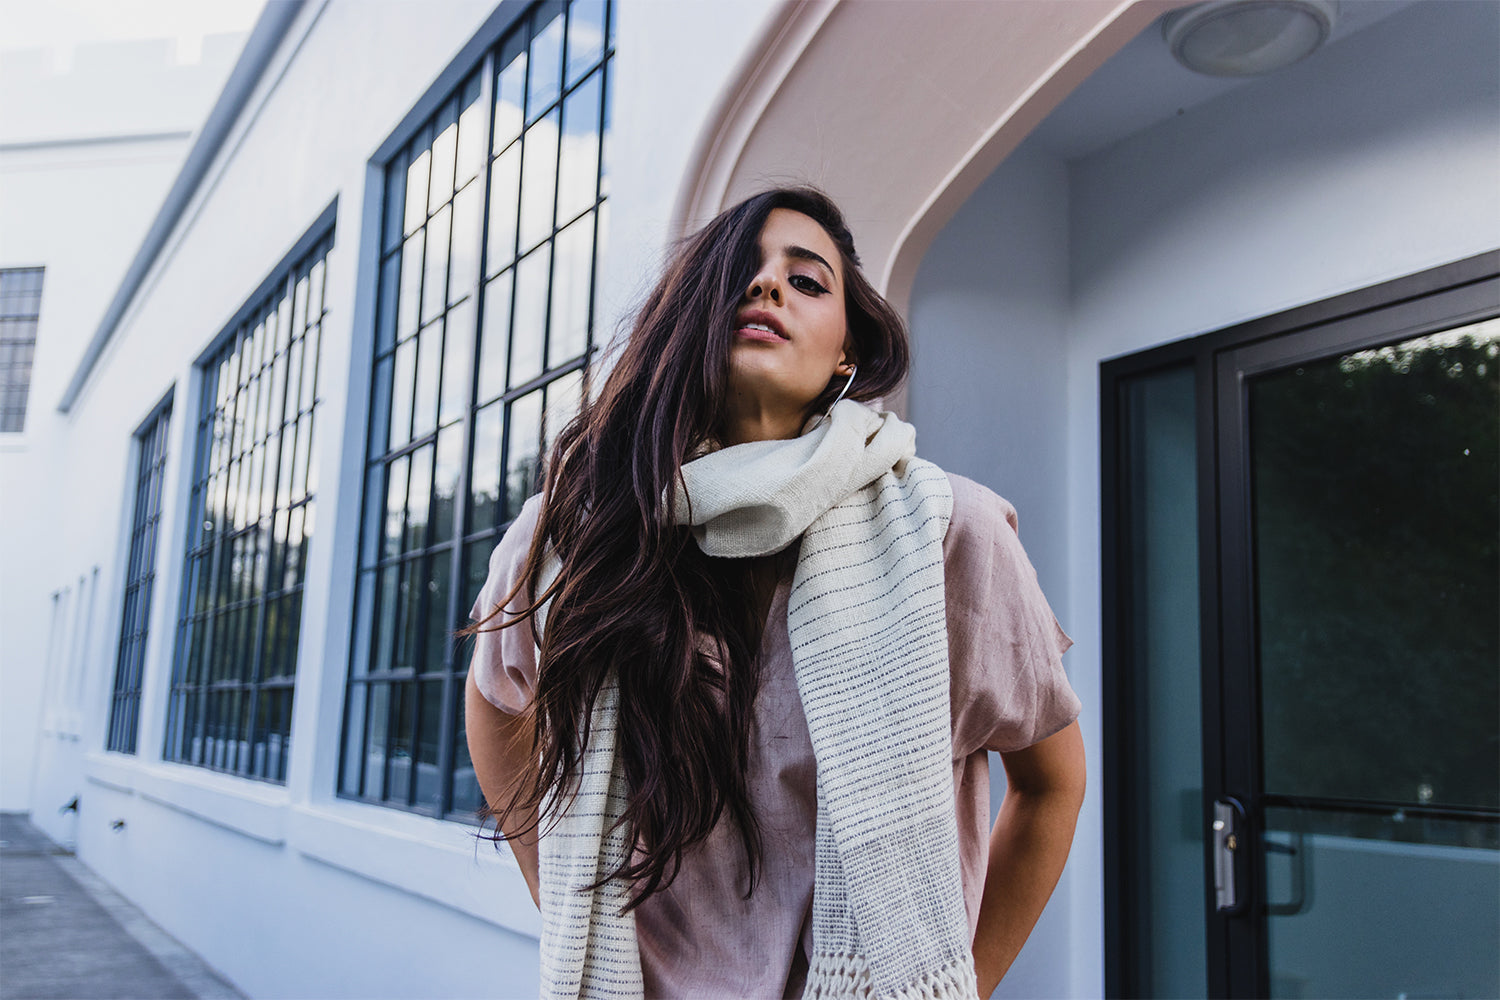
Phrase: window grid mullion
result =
(219, 692)
(446, 728)
(265, 542)
(435, 669)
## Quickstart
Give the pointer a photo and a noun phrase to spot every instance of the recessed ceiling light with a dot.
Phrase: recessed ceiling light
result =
(1247, 37)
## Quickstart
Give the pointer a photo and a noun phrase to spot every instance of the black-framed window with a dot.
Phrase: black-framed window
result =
(140, 579)
(251, 516)
(495, 211)
(20, 308)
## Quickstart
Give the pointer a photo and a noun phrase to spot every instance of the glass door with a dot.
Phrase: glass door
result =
(1301, 545)
(1361, 656)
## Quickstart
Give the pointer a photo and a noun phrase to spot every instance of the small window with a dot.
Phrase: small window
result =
(495, 212)
(251, 518)
(140, 579)
(20, 307)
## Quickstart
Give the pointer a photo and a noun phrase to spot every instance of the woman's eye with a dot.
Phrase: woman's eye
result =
(809, 285)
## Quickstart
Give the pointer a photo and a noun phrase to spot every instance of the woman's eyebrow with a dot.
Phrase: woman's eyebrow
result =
(802, 253)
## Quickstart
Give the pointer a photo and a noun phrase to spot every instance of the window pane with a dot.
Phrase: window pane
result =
(563, 397)
(458, 354)
(395, 507)
(380, 407)
(585, 36)
(531, 317)
(315, 300)
(546, 61)
(468, 215)
(538, 180)
(1377, 575)
(428, 376)
(387, 610)
(429, 790)
(466, 797)
(407, 312)
(416, 190)
(1162, 679)
(409, 620)
(578, 166)
(439, 619)
(484, 480)
(476, 570)
(418, 498)
(296, 546)
(510, 95)
(435, 281)
(375, 741)
(444, 155)
(521, 463)
(445, 482)
(472, 122)
(364, 611)
(505, 193)
(402, 384)
(571, 272)
(398, 759)
(386, 318)
(494, 337)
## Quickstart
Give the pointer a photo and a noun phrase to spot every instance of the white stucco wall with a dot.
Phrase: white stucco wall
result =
(290, 891)
(989, 316)
(85, 157)
(1359, 165)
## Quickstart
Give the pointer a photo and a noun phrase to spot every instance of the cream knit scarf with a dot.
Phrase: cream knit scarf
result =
(870, 651)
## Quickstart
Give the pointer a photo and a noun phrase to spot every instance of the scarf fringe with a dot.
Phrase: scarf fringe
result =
(845, 975)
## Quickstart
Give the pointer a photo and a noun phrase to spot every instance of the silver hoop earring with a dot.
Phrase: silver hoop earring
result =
(853, 369)
(842, 393)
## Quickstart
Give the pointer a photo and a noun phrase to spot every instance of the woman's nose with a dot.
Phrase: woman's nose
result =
(764, 285)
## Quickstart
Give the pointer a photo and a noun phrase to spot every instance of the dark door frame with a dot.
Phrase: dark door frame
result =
(1463, 291)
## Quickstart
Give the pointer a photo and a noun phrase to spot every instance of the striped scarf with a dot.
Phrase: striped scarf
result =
(868, 629)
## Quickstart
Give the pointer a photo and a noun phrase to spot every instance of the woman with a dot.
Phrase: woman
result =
(774, 647)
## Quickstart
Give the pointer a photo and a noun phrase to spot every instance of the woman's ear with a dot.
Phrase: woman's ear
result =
(846, 358)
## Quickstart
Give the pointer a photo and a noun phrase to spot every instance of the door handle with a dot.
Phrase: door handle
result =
(1297, 852)
(1227, 833)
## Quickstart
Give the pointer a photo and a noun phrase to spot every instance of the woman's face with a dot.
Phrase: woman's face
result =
(791, 335)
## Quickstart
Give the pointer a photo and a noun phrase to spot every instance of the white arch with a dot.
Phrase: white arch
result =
(898, 108)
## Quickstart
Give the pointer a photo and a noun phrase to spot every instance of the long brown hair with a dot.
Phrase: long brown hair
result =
(634, 593)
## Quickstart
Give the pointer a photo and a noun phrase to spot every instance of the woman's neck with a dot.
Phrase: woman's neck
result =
(753, 420)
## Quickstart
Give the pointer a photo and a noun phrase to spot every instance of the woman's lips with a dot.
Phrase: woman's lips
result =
(755, 325)
(756, 333)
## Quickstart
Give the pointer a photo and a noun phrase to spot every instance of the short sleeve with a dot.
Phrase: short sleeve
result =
(504, 663)
(1009, 689)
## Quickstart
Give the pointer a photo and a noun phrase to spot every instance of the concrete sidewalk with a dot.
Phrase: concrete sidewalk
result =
(64, 933)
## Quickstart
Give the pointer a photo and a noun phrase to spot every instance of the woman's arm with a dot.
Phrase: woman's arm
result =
(500, 746)
(1028, 848)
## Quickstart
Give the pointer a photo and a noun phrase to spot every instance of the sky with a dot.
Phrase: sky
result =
(60, 25)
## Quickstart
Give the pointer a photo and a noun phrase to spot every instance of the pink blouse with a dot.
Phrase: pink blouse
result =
(699, 937)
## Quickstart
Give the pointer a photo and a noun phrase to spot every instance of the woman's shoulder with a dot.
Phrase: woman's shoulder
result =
(517, 538)
(979, 513)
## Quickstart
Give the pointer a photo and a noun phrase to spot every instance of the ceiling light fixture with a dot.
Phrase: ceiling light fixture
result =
(1247, 37)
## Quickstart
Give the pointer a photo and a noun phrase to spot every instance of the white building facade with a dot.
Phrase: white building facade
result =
(269, 481)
